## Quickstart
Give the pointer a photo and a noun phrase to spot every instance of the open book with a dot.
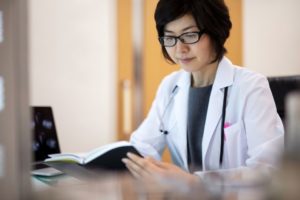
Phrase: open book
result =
(107, 157)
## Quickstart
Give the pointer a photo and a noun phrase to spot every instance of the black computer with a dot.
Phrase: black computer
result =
(44, 140)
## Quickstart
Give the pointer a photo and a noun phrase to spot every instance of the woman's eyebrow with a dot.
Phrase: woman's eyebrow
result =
(184, 29)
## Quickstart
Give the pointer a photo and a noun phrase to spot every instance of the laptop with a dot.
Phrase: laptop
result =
(44, 140)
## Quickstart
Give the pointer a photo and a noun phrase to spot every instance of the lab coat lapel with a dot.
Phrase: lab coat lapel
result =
(224, 78)
(181, 101)
(213, 116)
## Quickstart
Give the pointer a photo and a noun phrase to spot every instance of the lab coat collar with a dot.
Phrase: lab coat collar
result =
(225, 74)
(184, 79)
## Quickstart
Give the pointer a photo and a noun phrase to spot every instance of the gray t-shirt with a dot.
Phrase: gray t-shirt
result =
(197, 109)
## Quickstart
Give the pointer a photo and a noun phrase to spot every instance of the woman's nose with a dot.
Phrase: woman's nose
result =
(181, 47)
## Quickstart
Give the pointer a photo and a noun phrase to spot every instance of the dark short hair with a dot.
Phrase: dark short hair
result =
(210, 15)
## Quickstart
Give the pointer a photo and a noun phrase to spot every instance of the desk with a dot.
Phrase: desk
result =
(285, 184)
(125, 187)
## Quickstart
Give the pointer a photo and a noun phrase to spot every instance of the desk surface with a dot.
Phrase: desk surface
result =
(283, 185)
(122, 186)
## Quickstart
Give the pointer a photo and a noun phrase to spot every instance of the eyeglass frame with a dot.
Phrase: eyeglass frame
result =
(161, 39)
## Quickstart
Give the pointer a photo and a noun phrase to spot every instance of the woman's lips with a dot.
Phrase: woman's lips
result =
(185, 60)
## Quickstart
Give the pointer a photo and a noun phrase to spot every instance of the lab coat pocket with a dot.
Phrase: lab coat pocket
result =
(235, 145)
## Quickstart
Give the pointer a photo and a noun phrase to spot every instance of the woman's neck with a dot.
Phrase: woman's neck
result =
(204, 77)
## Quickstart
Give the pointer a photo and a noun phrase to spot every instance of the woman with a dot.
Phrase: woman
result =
(211, 115)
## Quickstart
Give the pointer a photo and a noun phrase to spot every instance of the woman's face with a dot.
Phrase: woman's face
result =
(190, 57)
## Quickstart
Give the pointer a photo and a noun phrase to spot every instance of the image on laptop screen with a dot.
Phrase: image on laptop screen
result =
(45, 140)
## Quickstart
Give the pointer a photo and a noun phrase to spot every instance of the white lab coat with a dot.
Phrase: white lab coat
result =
(254, 135)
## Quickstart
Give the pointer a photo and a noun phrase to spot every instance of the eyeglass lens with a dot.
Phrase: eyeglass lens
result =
(186, 38)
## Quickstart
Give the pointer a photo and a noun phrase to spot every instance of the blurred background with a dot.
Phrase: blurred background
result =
(98, 62)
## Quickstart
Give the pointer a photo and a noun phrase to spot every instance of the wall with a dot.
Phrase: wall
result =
(73, 68)
(271, 36)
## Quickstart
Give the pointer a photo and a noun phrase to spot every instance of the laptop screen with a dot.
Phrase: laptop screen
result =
(45, 140)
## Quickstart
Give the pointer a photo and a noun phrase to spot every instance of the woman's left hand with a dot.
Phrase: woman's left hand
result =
(150, 169)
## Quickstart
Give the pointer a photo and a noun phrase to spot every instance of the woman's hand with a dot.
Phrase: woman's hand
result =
(150, 169)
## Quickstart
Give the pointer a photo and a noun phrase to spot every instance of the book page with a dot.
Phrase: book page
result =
(68, 157)
(83, 158)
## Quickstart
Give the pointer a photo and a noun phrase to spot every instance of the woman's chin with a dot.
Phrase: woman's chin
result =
(189, 69)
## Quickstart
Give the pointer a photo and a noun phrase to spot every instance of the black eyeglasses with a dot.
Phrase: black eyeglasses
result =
(186, 38)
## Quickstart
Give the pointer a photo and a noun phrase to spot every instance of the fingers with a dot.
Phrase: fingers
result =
(137, 166)
(143, 163)
(135, 169)
(149, 169)
(134, 172)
